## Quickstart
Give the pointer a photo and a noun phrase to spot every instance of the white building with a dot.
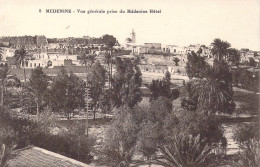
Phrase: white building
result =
(7, 52)
(174, 49)
(140, 49)
(50, 60)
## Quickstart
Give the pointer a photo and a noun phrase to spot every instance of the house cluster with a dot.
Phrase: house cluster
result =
(50, 60)
(53, 52)
(181, 52)
(40, 52)
(247, 54)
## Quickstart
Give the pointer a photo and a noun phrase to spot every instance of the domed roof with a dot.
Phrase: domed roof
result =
(128, 40)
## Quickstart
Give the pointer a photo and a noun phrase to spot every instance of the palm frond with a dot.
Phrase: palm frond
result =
(185, 151)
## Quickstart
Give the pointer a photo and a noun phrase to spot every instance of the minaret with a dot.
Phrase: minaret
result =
(133, 36)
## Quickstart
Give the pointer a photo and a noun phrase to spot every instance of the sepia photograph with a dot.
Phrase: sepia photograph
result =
(120, 83)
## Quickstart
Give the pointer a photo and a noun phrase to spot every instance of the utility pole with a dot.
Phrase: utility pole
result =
(87, 99)
(86, 103)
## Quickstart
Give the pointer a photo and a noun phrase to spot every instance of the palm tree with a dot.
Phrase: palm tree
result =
(176, 61)
(20, 56)
(110, 60)
(87, 59)
(185, 151)
(214, 91)
(220, 49)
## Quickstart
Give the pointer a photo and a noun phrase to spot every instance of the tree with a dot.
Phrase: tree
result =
(87, 59)
(1, 54)
(247, 136)
(195, 65)
(249, 80)
(252, 62)
(67, 93)
(37, 88)
(163, 88)
(198, 123)
(214, 92)
(126, 84)
(148, 139)
(158, 112)
(167, 78)
(20, 57)
(105, 102)
(235, 77)
(7, 144)
(176, 61)
(220, 49)
(80, 145)
(109, 61)
(120, 141)
(234, 57)
(199, 51)
(96, 81)
(6, 80)
(109, 40)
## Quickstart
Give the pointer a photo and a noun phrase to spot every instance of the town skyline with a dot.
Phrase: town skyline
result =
(179, 23)
(140, 44)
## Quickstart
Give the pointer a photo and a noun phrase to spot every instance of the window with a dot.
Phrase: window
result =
(34, 64)
(30, 64)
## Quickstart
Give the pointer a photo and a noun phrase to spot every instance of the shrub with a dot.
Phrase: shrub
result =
(199, 123)
(245, 132)
(70, 143)
(5, 155)
(247, 135)
(7, 144)
(185, 151)
(250, 156)
(120, 141)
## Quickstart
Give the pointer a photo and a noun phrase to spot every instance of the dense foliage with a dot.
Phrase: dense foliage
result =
(96, 84)
(213, 92)
(159, 126)
(126, 83)
(247, 135)
(67, 93)
(163, 88)
(195, 65)
(36, 91)
(23, 131)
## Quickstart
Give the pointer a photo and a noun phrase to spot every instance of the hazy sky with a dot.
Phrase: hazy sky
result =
(182, 22)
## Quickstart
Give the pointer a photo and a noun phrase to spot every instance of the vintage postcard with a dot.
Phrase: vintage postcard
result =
(117, 83)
